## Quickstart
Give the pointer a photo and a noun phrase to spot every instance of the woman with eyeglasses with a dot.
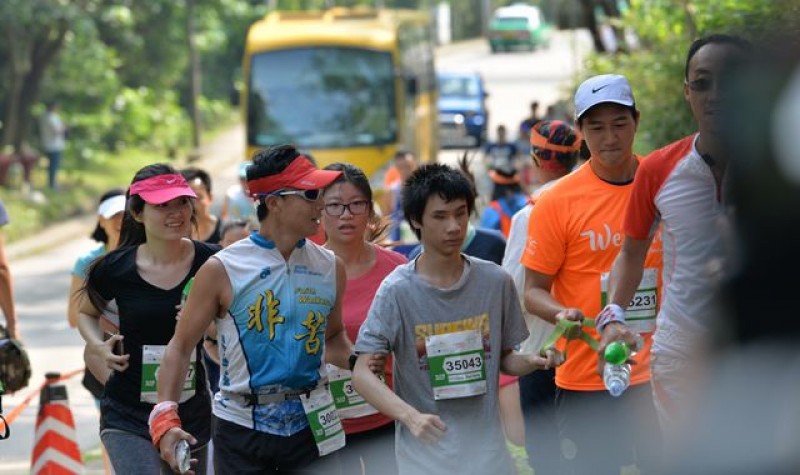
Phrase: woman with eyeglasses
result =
(347, 218)
(144, 278)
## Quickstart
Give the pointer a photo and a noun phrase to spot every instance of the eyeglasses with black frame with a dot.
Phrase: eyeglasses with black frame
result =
(356, 207)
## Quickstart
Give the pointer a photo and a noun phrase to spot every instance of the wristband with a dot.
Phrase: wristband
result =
(611, 313)
(163, 417)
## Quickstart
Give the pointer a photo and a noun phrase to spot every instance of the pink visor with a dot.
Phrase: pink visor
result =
(301, 174)
(159, 189)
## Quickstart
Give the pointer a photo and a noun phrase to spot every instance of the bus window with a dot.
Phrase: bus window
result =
(322, 97)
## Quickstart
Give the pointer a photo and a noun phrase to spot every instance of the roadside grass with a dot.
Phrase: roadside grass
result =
(82, 179)
(33, 208)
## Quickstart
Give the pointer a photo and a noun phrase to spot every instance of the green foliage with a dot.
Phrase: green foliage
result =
(665, 29)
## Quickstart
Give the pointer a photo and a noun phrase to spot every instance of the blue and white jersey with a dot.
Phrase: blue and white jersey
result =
(273, 337)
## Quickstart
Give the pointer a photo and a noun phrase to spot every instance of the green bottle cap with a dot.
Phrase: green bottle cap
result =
(617, 353)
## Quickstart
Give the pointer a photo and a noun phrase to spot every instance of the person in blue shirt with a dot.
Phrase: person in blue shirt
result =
(507, 199)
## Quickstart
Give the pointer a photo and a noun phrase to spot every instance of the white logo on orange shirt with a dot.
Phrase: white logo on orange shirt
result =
(600, 242)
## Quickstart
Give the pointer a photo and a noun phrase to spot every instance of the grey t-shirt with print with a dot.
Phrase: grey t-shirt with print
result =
(405, 310)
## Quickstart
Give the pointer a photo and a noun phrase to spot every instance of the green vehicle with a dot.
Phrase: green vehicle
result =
(518, 26)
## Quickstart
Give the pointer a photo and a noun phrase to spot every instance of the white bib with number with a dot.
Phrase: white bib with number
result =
(456, 364)
(151, 361)
(348, 402)
(643, 307)
(323, 420)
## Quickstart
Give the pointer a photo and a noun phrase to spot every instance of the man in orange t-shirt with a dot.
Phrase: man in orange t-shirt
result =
(574, 234)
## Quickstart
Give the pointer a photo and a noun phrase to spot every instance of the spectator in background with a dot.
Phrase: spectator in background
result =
(208, 227)
(233, 231)
(53, 134)
(405, 162)
(237, 203)
(507, 199)
(528, 124)
(501, 154)
(6, 283)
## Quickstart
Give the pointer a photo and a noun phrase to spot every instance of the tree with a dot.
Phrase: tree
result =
(34, 32)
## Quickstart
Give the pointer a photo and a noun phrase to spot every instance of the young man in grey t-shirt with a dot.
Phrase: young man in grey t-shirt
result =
(451, 322)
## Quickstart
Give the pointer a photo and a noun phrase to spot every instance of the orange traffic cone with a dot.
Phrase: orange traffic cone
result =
(55, 449)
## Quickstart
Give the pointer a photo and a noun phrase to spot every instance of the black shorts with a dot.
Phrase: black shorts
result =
(240, 450)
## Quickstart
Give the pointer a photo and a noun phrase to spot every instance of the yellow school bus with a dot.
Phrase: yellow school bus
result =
(349, 85)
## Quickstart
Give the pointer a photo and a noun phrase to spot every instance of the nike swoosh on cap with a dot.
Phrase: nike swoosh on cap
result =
(595, 89)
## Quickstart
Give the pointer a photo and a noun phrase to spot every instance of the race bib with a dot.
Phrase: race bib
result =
(323, 420)
(151, 361)
(643, 307)
(456, 364)
(348, 402)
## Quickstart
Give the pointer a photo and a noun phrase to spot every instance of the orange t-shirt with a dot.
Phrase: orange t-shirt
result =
(574, 234)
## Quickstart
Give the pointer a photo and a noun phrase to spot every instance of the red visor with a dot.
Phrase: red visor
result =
(162, 188)
(299, 175)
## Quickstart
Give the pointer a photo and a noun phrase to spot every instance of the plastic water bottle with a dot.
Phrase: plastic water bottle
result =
(616, 372)
(617, 378)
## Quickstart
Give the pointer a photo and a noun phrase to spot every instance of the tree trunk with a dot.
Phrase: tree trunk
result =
(15, 81)
(26, 70)
(194, 74)
(591, 23)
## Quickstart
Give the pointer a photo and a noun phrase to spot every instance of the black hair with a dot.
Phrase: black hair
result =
(99, 234)
(267, 162)
(463, 167)
(434, 179)
(632, 109)
(234, 224)
(401, 154)
(132, 232)
(353, 175)
(378, 226)
(194, 173)
(718, 39)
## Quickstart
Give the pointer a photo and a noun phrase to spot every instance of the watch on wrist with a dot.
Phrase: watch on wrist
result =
(351, 361)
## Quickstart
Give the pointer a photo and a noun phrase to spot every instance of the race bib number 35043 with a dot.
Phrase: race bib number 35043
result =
(456, 363)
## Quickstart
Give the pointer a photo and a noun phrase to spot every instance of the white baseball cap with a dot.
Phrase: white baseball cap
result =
(600, 89)
(111, 206)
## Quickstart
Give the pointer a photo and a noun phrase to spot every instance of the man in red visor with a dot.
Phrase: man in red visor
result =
(276, 300)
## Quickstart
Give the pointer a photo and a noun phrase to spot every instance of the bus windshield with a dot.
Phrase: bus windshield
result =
(322, 97)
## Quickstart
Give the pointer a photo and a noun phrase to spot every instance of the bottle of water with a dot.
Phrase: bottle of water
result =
(616, 378)
(616, 372)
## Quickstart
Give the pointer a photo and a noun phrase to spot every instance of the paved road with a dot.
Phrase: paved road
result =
(42, 277)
